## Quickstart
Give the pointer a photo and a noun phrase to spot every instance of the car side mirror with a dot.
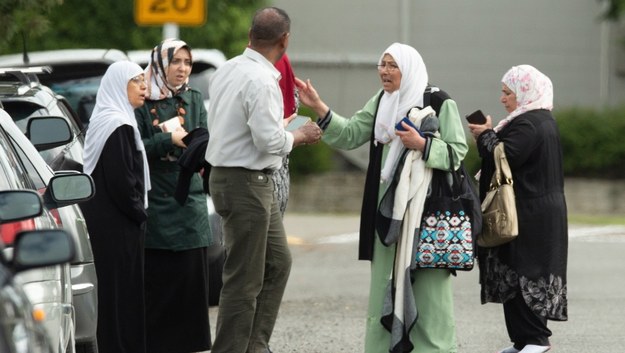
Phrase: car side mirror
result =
(17, 205)
(39, 248)
(46, 132)
(68, 188)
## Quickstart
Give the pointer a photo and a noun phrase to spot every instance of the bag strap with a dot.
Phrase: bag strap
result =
(456, 189)
(502, 174)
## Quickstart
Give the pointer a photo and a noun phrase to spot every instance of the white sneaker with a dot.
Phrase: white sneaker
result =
(510, 349)
(532, 348)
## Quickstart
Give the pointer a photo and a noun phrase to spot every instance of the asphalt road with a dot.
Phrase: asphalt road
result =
(325, 303)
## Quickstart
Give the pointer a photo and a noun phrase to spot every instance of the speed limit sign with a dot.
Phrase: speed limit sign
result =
(182, 12)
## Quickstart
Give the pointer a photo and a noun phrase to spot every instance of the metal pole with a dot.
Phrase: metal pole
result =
(404, 21)
(604, 63)
(170, 30)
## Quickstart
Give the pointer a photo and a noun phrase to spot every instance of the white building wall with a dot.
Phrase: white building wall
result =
(467, 46)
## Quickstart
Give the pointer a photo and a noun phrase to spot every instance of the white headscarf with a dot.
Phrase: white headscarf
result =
(112, 110)
(395, 105)
(532, 88)
(156, 71)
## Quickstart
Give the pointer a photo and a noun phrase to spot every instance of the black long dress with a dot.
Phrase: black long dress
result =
(116, 222)
(535, 263)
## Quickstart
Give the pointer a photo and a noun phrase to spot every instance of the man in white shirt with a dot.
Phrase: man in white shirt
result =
(247, 142)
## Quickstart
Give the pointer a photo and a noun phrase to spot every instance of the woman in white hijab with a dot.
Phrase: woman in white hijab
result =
(426, 319)
(115, 157)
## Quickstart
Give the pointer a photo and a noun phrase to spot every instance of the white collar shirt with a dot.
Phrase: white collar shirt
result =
(245, 116)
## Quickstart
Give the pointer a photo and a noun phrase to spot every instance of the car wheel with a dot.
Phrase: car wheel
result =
(215, 269)
(87, 347)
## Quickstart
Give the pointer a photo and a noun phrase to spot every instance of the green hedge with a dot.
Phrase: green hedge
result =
(593, 144)
(313, 159)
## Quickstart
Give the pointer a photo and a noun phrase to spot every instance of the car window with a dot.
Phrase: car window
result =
(75, 124)
(22, 111)
(80, 94)
(29, 167)
(12, 173)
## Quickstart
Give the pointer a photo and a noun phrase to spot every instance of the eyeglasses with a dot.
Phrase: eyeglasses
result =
(388, 66)
(138, 80)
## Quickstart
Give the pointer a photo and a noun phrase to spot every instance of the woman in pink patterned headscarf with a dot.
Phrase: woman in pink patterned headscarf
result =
(531, 88)
(528, 274)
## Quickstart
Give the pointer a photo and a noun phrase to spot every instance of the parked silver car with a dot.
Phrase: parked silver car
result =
(21, 329)
(26, 100)
(49, 289)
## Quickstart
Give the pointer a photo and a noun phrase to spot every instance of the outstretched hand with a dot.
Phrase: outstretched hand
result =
(309, 97)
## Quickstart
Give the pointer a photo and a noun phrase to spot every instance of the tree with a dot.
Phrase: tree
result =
(614, 9)
(110, 24)
(18, 15)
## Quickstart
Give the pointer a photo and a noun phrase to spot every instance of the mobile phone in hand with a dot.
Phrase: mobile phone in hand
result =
(477, 117)
(297, 122)
(410, 123)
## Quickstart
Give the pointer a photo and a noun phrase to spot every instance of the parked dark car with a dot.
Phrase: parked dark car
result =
(25, 99)
(21, 328)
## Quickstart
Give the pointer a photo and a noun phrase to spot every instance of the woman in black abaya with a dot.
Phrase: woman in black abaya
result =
(115, 157)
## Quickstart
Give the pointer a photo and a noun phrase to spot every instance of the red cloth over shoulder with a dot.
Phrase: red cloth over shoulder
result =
(287, 85)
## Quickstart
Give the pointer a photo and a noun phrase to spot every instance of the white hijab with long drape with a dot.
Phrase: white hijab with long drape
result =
(112, 110)
(395, 105)
(532, 88)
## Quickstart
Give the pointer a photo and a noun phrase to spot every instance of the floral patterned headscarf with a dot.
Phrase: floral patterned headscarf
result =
(156, 71)
(532, 88)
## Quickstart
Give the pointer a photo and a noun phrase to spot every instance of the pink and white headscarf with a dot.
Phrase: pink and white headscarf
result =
(156, 71)
(532, 88)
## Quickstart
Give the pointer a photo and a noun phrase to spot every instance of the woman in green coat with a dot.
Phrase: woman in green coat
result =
(177, 235)
(404, 79)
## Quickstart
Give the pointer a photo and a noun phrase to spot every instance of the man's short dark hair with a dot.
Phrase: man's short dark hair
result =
(268, 26)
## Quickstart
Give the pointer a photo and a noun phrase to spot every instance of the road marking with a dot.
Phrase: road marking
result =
(603, 234)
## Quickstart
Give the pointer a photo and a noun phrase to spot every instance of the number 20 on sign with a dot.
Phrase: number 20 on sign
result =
(182, 12)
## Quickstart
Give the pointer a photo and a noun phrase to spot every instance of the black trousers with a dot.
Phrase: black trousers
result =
(524, 326)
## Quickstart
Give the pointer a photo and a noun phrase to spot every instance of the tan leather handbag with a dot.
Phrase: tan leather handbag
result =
(500, 224)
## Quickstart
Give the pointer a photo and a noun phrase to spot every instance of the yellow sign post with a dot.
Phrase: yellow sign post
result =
(182, 12)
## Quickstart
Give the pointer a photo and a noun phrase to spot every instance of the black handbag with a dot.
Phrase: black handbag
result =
(450, 221)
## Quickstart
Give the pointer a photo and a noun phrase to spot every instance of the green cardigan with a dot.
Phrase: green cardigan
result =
(170, 225)
(350, 133)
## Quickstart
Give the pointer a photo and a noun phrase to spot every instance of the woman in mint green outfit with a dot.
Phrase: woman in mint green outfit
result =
(404, 82)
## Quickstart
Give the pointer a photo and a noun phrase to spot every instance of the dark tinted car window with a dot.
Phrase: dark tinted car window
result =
(63, 157)
(21, 112)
